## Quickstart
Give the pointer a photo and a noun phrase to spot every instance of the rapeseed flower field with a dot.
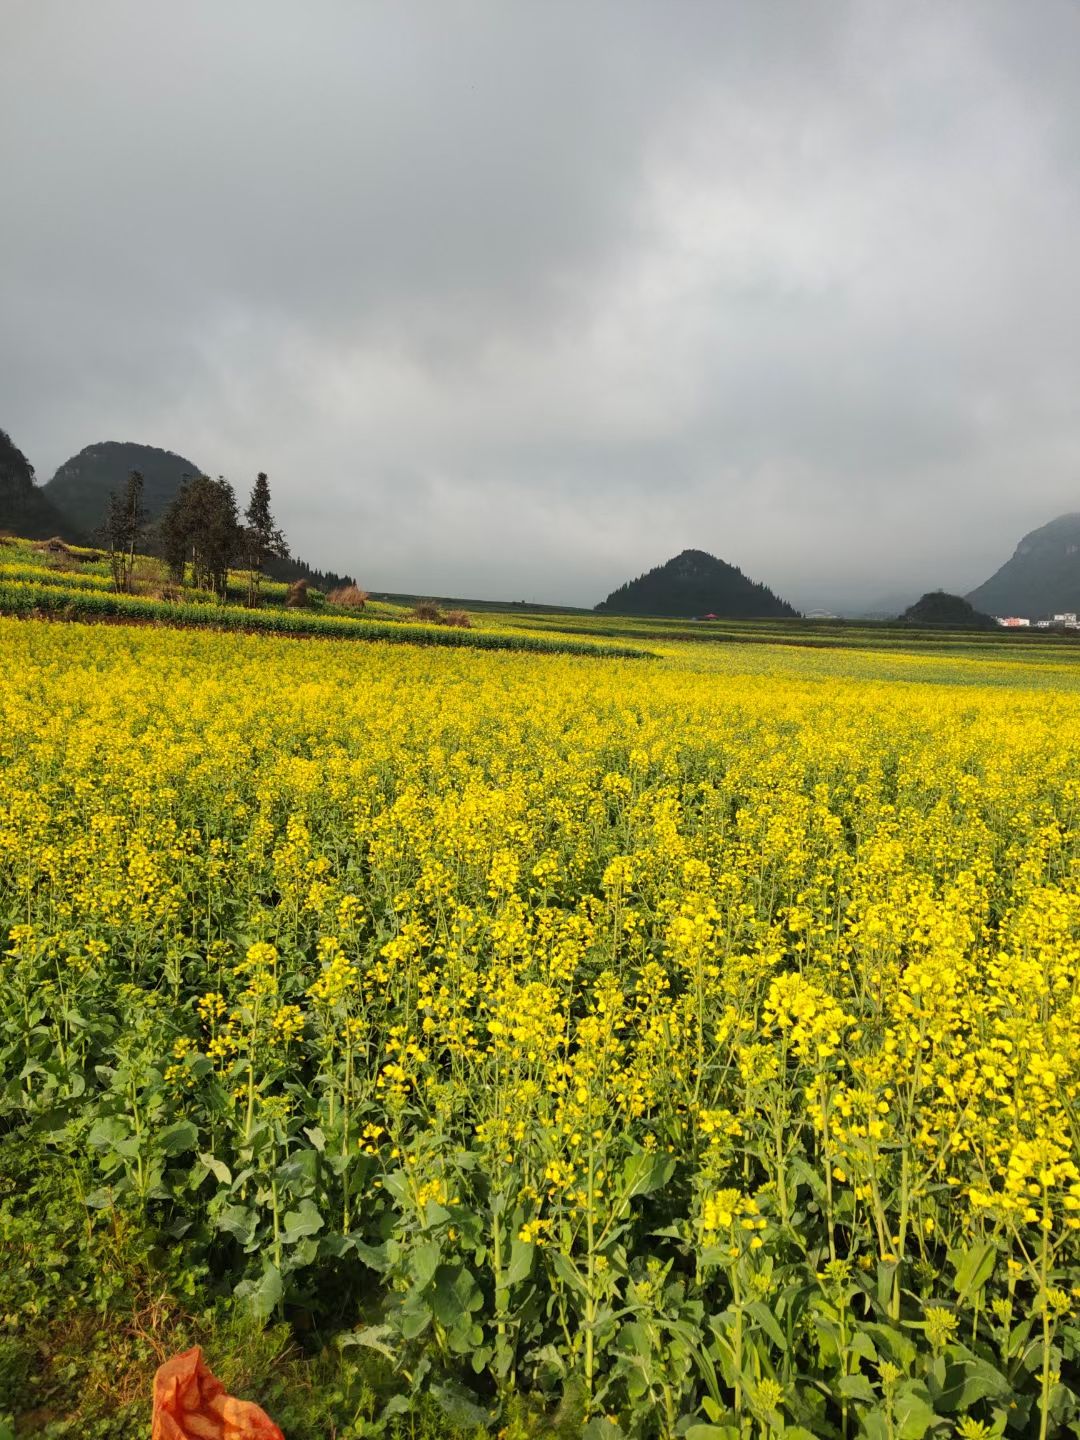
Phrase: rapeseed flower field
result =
(558, 1043)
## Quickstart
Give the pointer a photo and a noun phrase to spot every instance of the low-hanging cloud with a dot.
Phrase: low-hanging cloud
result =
(518, 300)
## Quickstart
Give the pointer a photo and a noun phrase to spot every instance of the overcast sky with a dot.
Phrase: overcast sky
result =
(520, 299)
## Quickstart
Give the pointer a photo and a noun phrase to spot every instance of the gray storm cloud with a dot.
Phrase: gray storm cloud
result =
(517, 300)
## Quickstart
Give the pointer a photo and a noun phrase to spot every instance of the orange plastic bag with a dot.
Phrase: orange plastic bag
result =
(190, 1404)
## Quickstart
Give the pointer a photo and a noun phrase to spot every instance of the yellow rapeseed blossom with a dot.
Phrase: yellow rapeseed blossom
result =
(617, 958)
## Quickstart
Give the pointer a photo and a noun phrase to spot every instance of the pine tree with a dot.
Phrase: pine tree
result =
(263, 540)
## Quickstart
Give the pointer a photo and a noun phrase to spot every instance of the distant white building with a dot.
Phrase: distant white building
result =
(1066, 618)
(1012, 622)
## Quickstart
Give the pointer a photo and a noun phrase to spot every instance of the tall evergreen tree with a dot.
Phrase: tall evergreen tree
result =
(173, 531)
(201, 528)
(224, 535)
(262, 538)
(123, 526)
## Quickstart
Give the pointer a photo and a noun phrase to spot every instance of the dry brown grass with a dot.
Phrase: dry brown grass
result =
(430, 614)
(56, 555)
(349, 596)
(297, 597)
(57, 547)
(426, 611)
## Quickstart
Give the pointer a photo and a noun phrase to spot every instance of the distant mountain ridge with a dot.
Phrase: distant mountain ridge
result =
(1041, 578)
(695, 583)
(82, 485)
(25, 509)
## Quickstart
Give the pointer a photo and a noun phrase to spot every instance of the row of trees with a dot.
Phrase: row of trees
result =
(202, 529)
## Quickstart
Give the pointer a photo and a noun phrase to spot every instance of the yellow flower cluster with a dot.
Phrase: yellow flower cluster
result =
(730, 1215)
